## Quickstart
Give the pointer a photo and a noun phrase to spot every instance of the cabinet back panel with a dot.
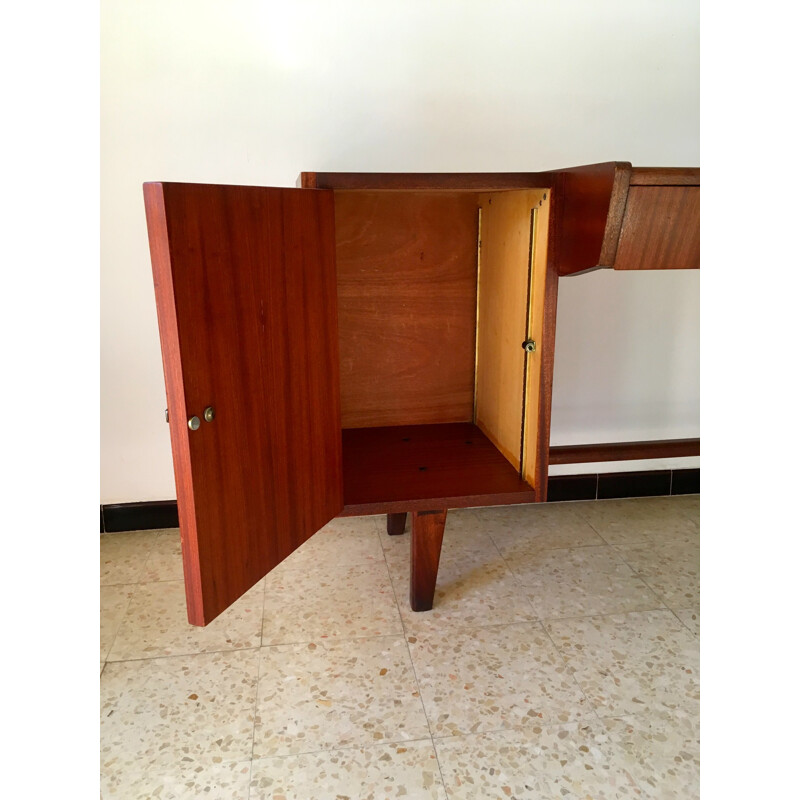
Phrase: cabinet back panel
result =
(407, 284)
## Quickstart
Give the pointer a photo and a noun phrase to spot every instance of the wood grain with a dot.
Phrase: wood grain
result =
(427, 532)
(536, 362)
(616, 213)
(246, 299)
(583, 233)
(624, 451)
(429, 181)
(156, 214)
(406, 265)
(661, 229)
(504, 296)
(424, 467)
(665, 176)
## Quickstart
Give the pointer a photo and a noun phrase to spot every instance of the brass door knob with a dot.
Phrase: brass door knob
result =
(208, 414)
(194, 423)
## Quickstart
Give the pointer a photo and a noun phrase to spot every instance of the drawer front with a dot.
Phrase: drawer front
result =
(660, 228)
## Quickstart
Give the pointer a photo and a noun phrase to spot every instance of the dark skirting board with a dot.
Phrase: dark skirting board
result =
(118, 517)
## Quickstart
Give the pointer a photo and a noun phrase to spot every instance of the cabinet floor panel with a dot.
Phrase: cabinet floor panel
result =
(419, 467)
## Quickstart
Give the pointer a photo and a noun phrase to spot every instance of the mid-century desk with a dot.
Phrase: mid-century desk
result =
(376, 343)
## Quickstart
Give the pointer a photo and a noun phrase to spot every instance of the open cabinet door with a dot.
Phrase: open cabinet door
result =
(245, 283)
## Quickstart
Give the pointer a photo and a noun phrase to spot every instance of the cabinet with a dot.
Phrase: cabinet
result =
(371, 343)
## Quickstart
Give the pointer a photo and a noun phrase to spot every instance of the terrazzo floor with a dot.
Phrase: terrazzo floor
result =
(560, 660)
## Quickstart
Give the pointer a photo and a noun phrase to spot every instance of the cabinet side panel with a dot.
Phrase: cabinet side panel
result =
(406, 272)
(503, 314)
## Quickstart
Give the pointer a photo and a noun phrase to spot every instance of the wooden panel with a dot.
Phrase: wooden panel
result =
(534, 361)
(446, 181)
(407, 266)
(665, 176)
(425, 467)
(624, 451)
(546, 350)
(661, 229)
(246, 297)
(503, 294)
(591, 200)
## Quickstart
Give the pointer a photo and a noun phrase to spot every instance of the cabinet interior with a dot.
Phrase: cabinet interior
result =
(437, 291)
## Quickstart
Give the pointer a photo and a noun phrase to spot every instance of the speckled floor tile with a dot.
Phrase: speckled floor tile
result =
(113, 604)
(123, 556)
(638, 519)
(671, 569)
(688, 504)
(690, 617)
(165, 562)
(338, 712)
(155, 624)
(408, 770)
(344, 540)
(567, 761)
(159, 713)
(661, 752)
(634, 663)
(329, 601)
(483, 679)
(472, 590)
(226, 781)
(581, 581)
(337, 693)
(519, 531)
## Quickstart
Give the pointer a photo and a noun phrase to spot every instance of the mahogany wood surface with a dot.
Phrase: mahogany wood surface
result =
(424, 467)
(245, 288)
(445, 181)
(616, 213)
(396, 524)
(584, 230)
(406, 264)
(661, 229)
(624, 451)
(427, 532)
(665, 176)
(547, 349)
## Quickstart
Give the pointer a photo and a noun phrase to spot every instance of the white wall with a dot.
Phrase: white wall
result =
(249, 91)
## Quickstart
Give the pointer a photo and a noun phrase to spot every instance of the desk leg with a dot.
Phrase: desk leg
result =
(395, 524)
(427, 530)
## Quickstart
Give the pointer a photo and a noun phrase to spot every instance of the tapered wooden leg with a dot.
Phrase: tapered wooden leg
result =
(427, 530)
(395, 524)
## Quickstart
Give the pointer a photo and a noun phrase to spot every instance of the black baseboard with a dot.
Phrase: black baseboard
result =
(607, 485)
(685, 481)
(153, 514)
(145, 516)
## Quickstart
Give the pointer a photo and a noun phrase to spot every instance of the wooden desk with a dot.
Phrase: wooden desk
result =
(376, 343)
